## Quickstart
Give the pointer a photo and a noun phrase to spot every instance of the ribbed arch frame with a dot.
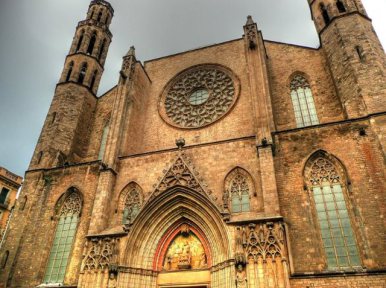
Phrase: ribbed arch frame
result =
(166, 210)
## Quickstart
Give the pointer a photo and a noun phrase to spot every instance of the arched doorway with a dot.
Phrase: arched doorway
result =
(183, 257)
(179, 240)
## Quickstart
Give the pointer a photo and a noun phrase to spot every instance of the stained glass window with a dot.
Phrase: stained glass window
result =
(336, 230)
(63, 240)
(132, 203)
(198, 97)
(103, 142)
(239, 193)
(303, 102)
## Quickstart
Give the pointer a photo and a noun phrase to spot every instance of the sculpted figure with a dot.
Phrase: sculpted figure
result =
(112, 281)
(241, 278)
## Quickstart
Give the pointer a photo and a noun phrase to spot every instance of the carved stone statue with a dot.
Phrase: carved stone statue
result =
(185, 258)
(241, 277)
(112, 281)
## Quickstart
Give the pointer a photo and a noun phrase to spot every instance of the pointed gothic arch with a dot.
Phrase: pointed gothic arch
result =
(161, 217)
(326, 179)
(67, 212)
(238, 190)
(130, 202)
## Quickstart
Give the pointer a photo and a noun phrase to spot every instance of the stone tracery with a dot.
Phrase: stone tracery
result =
(72, 205)
(219, 84)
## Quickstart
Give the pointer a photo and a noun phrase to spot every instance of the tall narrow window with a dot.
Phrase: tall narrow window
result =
(82, 73)
(39, 158)
(91, 45)
(80, 41)
(238, 185)
(333, 216)
(3, 195)
(340, 6)
(94, 75)
(102, 49)
(359, 51)
(303, 102)
(107, 19)
(325, 15)
(132, 201)
(102, 148)
(99, 16)
(92, 13)
(64, 238)
(69, 72)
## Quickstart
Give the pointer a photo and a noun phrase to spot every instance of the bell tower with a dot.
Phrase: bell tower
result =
(65, 134)
(354, 54)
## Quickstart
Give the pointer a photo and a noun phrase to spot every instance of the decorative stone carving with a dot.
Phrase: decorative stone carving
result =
(322, 170)
(241, 277)
(265, 241)
(102, 254)
(72, 205)
(216, 83)
(131, 202)
(250, 30)
(185, 252)
(178, 174)
(298, 81)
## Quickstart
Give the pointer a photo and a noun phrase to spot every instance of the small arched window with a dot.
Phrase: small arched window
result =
(39, 157)
(66, 227)
(101, 49)
(325, 15)
(238, 188)
(100, 16)
(360, 53)
(328, 192)
(80, 41)
(82, 73)
(53, 118)
(91, 45)
(103, 142)
(69, 72)
(93, 79)
(131, 202)
(303, 102)
(92, 13)
(340, 6)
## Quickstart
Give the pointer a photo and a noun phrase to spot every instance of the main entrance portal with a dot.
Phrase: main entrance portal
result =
(183, 258)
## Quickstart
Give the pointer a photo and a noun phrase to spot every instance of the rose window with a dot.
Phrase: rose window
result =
(198, 96)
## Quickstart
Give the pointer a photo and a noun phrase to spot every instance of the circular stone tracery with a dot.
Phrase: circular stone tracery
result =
(198, 96)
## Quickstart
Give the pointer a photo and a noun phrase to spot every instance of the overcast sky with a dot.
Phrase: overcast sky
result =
(36, 36)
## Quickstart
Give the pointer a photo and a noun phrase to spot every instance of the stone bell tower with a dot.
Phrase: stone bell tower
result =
(354, 54)
(65, 135)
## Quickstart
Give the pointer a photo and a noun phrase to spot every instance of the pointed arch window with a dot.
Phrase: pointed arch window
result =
(91, 45)
(105, 133)
(69, 72)
(80, 41)
(66, 227)
(102, 49)
(325, 15)
(132, 202)
(337, 234)
(94, 75)
(82, 73)
(303, 102)
(340, 6)
(100, 16)
(238, 189)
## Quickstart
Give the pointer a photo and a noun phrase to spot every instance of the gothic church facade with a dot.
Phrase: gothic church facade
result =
(249, 163)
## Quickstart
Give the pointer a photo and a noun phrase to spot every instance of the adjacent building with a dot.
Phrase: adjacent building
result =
(249, 163)
(9, 186)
